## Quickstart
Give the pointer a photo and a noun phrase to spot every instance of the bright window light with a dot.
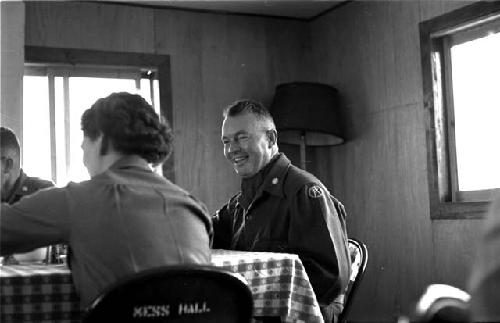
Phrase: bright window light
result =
(36, 136)
(79, 95)
(79, 102)
(476, 97)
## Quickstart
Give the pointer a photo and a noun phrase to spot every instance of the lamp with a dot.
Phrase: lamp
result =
(307, 113)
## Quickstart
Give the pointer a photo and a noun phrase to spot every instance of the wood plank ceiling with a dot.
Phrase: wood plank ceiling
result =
(295, 9)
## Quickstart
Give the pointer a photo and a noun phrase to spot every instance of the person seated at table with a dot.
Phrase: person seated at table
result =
(484, 284)
(123, 220)
(16, 184)
(280, 207)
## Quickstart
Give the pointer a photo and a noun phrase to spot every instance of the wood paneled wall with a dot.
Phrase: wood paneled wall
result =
(12, 65)
(370, 51)
(215, 59)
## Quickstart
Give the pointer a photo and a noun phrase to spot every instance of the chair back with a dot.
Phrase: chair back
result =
(359, 258)
(176, 294)
(441, 303)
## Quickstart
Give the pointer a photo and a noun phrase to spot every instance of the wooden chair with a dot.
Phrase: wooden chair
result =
(442, 303)
(189, 293)
(359, 259)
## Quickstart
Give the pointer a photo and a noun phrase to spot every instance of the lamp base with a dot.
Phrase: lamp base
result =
(303, 152)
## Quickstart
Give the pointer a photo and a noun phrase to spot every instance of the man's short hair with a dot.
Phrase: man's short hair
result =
(248, 106)
(8, 140)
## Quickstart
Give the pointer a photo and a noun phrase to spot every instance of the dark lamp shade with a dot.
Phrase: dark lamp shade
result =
(307, 109)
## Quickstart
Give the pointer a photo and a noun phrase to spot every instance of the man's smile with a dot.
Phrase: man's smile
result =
(239, 160)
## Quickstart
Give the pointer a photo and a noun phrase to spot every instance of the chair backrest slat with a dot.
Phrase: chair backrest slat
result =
(359, 258)
(189, 293)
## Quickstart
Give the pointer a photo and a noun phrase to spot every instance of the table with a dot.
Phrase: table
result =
(278, 281)
(38, 293)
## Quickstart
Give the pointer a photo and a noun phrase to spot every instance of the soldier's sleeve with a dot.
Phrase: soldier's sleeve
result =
(222, 228)
(34, 184)
(317, 234)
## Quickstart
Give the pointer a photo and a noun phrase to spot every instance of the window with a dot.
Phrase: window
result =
(60, 84)
(461, 73)
(66, 92)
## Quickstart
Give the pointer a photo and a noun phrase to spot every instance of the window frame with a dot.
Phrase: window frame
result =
(96, 59)
(446, 202)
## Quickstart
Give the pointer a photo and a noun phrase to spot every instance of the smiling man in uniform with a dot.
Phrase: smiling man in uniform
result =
(280, 207)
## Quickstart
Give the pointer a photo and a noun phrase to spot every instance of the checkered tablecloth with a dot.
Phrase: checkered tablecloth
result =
(278, 281)
(37, 293)
(45, 293)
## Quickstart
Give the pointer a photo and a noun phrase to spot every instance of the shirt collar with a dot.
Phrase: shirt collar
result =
(16, 189)
(273, 183)
(252, 187)
(131, 161)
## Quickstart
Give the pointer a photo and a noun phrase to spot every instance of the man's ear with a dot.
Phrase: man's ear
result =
(272, 136)
(9, 165)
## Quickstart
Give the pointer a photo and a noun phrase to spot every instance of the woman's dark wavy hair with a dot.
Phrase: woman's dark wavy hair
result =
(131, 125)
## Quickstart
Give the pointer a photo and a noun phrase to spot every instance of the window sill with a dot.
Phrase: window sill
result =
(459, 210)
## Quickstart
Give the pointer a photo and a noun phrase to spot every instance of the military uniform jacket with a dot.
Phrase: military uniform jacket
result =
(292, 212)
(26, 185)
